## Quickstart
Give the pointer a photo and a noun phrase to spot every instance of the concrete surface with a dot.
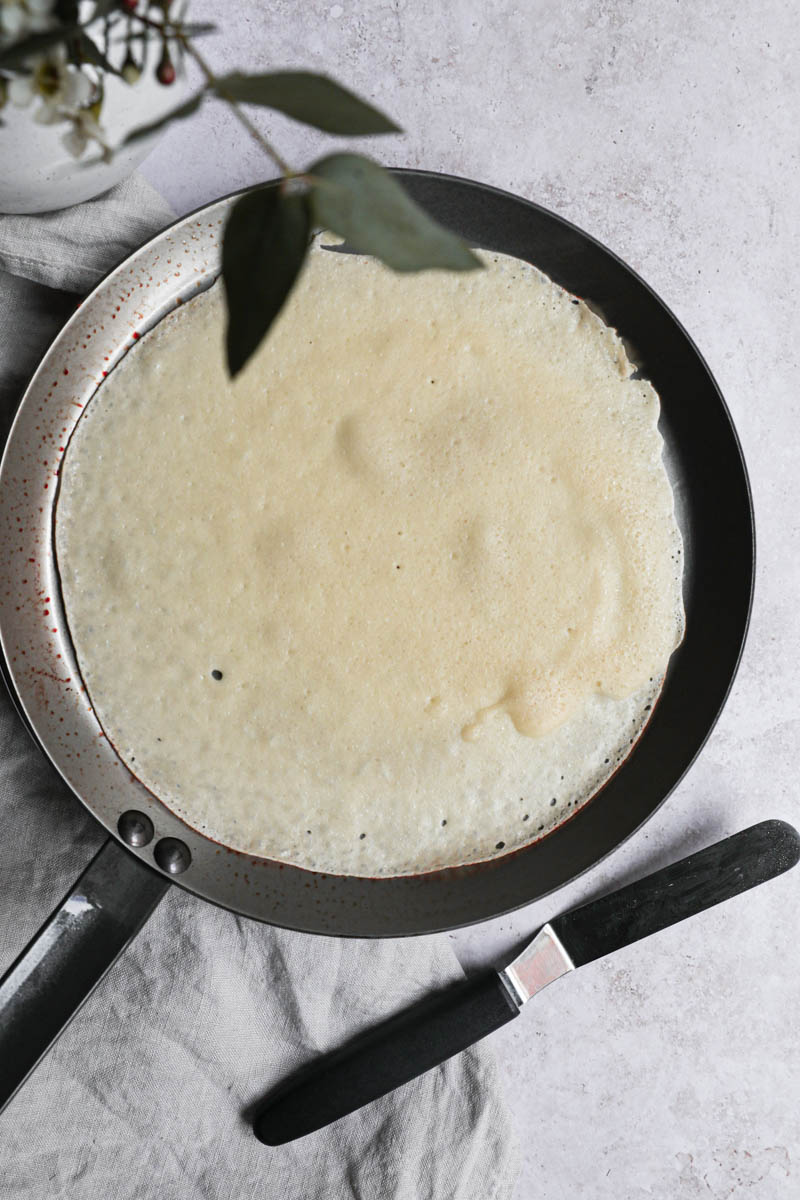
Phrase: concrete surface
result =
(667, 130)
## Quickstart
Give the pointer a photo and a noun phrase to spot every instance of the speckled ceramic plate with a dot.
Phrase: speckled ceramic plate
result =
(714, 511)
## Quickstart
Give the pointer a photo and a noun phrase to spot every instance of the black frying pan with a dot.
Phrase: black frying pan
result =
(149, 845)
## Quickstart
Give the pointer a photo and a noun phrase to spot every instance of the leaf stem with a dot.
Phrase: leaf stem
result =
(168, 29)
(213, 82)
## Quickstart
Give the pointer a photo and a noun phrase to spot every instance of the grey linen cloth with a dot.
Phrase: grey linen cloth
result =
(144, 1093)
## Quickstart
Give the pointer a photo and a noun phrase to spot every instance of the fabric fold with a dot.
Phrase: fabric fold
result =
(73, 248)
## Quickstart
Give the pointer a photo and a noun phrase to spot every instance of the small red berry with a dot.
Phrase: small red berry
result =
(166, 71)
(129, 5)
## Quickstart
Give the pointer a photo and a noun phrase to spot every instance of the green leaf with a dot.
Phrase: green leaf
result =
(313, 99)
(264, 244)
(183, 110)
(359, 200)
(13, 57)
(91, 53)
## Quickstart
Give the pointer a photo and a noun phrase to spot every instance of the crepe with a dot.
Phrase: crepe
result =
(399, 597)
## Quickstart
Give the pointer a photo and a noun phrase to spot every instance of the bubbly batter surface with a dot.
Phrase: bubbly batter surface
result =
(398, 597)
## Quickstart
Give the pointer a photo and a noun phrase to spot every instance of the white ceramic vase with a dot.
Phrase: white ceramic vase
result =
(37, 173)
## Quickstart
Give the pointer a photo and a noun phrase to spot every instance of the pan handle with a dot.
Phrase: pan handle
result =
(63, 963)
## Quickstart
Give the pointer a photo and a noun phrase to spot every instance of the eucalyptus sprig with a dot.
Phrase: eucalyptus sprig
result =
(268, 232)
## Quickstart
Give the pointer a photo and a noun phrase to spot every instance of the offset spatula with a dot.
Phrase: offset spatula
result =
(429, 1033)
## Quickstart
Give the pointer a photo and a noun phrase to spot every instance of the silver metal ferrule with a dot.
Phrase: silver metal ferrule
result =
(544, 960)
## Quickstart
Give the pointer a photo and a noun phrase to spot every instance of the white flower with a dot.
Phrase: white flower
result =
(85, 129)
(64, 89)
(65, 93)
(62, 85)
(20, 17)
(13, 19)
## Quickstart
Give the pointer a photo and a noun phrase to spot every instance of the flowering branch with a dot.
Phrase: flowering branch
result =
(50, 59)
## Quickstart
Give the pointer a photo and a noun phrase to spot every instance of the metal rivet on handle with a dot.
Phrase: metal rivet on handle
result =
(135, 828)
(172, 855)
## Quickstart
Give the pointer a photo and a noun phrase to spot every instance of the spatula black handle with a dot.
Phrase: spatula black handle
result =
(424, 1036)
(391, 1054)
(680, 890)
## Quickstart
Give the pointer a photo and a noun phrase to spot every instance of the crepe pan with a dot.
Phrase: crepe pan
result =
(149, 846)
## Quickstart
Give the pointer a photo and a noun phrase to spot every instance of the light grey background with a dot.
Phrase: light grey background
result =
(669, 131)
